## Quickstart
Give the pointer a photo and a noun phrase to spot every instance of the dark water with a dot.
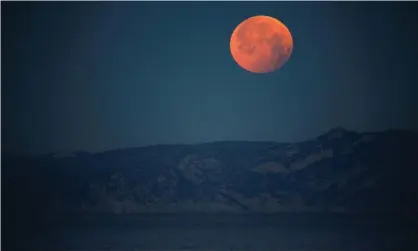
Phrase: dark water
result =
(214, 232)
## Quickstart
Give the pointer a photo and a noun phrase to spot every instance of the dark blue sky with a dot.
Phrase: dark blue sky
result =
(102, 75)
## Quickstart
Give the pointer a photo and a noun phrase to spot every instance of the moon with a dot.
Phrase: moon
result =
(261, 44)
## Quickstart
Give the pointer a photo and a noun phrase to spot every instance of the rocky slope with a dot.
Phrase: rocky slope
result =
(340, 171)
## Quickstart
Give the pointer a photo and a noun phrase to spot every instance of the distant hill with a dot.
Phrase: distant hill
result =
(340, 171)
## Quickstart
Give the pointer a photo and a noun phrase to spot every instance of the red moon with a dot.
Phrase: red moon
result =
(261, 44)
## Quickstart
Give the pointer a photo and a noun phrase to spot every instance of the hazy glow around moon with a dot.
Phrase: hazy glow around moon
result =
(261, 44)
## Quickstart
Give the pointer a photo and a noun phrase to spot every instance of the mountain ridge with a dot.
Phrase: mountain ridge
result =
(340, 171)
(334, 130)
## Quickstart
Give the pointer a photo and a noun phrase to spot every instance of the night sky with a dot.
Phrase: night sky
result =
(99, 76)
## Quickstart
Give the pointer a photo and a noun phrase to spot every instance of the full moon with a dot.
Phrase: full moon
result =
(261, 44)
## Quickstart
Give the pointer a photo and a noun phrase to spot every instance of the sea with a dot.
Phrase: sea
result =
(282, 232)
